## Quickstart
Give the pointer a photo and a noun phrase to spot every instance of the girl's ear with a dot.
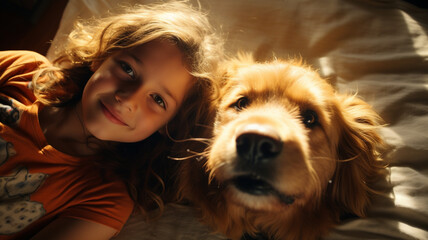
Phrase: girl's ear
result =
(359, 164)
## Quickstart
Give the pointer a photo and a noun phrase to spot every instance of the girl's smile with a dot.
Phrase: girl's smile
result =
(111, 115)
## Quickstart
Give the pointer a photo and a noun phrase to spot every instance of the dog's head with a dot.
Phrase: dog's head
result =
(284, 139)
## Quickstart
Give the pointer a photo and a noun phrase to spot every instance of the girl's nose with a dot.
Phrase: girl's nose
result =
(128, 100)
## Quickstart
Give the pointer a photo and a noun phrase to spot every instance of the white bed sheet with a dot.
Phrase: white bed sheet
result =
(376, 47)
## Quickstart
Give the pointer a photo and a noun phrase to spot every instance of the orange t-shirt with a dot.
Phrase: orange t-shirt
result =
(37, 182)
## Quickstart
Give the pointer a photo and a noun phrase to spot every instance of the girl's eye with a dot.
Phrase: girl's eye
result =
(158, 100)
(127, 69)
(310, 118)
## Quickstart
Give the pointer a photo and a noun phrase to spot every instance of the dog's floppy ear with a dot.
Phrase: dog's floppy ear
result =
(359, 164)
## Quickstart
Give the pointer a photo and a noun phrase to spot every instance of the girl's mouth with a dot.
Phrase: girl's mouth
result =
(111, 115)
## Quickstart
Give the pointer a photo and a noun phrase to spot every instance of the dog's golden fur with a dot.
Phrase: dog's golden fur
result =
(324, 167)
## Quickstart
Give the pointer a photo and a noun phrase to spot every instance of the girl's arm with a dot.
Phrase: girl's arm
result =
(75, 229)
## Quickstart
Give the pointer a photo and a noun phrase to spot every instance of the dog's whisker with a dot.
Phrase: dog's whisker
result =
(180, 158)
(338, 160)
(199, 156)
(194, 153)
(348, 159)
(203, 140)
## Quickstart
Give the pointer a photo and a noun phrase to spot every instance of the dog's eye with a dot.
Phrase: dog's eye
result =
(241, 103)
(310, 118)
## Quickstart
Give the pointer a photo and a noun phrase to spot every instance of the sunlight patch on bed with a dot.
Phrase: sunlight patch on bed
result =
(419, 38)
(412, 231)
(391, 137)
(410, 188)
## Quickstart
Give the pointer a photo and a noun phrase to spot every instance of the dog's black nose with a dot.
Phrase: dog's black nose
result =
(255, 148)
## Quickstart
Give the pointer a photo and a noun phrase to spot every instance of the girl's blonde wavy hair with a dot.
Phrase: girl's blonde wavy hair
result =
(93, 41)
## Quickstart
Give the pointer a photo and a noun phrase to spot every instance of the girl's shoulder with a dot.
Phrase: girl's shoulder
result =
(20, 66)
(17, 69)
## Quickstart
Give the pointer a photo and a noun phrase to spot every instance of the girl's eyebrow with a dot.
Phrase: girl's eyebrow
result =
(137, 59)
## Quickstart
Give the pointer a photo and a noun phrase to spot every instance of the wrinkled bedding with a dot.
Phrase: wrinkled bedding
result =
(378, 48)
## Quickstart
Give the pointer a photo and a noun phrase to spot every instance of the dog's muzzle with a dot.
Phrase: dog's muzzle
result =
(257, 152)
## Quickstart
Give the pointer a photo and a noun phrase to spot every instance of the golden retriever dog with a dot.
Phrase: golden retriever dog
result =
(288, 155)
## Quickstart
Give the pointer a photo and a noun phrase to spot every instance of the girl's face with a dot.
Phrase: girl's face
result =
(135, 92)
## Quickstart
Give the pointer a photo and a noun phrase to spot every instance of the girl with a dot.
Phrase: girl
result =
(70, 148)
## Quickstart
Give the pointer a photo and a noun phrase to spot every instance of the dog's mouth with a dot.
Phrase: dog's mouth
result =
(256, 185)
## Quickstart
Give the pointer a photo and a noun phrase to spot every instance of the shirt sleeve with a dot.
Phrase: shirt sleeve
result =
(17, 69)
(107, 204)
